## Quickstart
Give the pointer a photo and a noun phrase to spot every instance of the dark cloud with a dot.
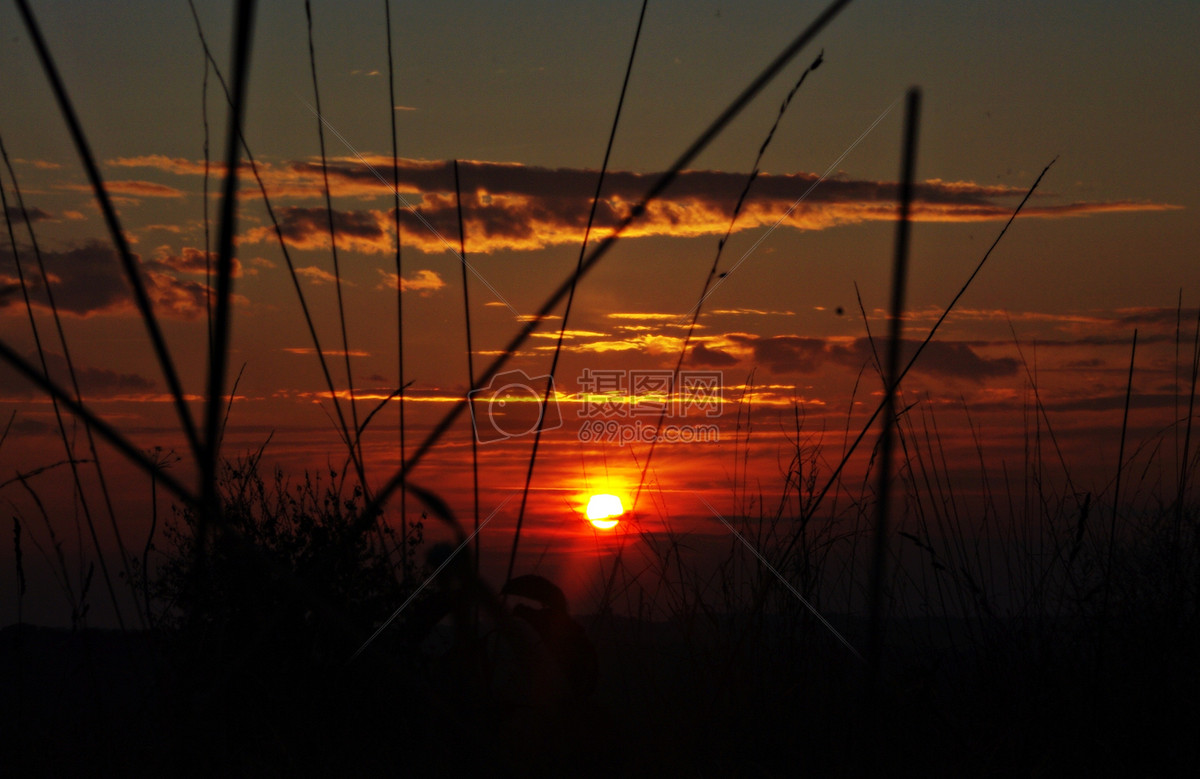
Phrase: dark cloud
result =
(1161, 317)
(1116, 339)
(791, 354)
(957, 360)
(308, 228)
(189, 260)
(711, 358)
(89, 280)
(35, 214)
(787, 353)
(93, 382)
(1112, 402)
(25, 425)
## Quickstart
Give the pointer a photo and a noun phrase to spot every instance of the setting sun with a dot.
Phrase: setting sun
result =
(603, 511)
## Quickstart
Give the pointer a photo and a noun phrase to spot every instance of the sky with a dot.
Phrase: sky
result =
(523, 95)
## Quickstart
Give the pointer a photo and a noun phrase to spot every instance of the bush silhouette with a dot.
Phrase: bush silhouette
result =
(284, 572)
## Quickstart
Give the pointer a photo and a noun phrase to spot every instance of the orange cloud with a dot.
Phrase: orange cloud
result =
(317, 275)
(41, 164)
(297, 180)
(646, 343)
(569, 334)
(130, 188)
(423, 282)
(508, 206)
(327, 352)
(177, 165)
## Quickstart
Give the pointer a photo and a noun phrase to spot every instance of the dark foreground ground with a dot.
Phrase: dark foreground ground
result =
(716, 697)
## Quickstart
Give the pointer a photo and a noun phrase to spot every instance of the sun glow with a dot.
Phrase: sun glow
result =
(604, 511)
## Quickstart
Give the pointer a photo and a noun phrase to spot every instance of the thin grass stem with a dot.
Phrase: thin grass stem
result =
(387, 12)
(562, 331)
(531, 323)
(342, 424)
(462, 256)
(80, 495)
(129, 263)
(929, 337)
(337, 271)
(106, 431)
(1112, 530)
(892, 372)
(712, 272)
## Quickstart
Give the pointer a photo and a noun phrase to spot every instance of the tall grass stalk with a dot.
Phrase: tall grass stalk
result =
(208, 269)
(218, 362)
(891, 372)
(714, 129)
(344, 430)
(162, 460)
(349, 438)
(562, 330)
(7, 428)
(129, 263)
(1112, 531)
(59, 565)
(712, 272)
(226, 231)
(387, 15)
(337, 271)
(1185, 467)
(462, 262)
(80, 494)
(929, 337)
(106, 431)
(705, 291)
(67, 358)
(19, 562)
(1040, 408)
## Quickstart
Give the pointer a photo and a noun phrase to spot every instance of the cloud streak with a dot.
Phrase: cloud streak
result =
(509, 206)
(130, 188)
(794, 354)
(93, 382)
